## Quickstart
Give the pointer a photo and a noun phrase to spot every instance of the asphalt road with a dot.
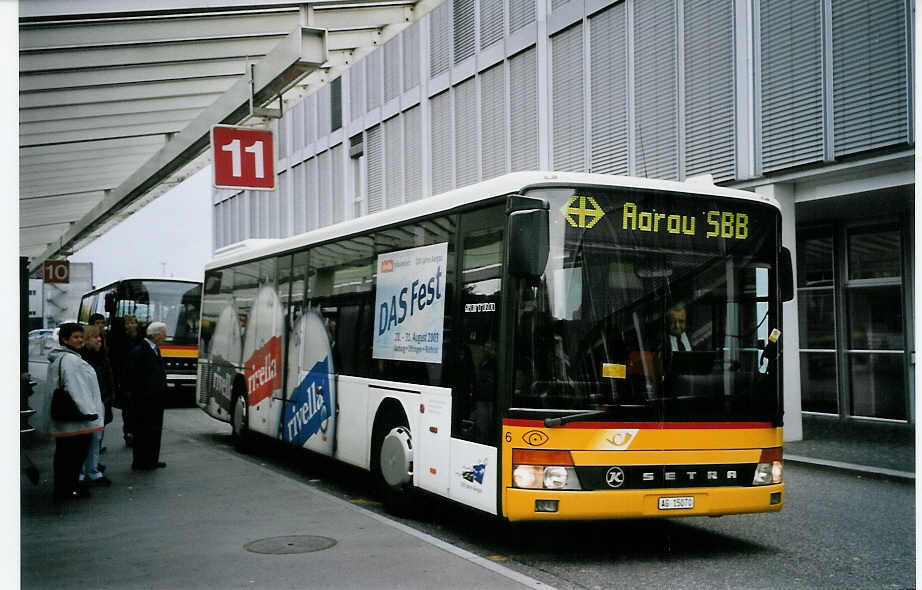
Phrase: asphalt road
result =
(837, 530)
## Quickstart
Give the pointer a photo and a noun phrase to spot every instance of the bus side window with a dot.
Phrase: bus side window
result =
(422, 233)
(475, 387)
(340, 288)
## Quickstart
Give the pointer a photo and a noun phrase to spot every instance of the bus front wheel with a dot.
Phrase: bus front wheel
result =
(393, 468)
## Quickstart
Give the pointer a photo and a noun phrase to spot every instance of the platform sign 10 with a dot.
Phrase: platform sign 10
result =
(243, 158)
(56, 271)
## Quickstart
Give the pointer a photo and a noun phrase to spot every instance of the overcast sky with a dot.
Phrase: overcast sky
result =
(171, 234)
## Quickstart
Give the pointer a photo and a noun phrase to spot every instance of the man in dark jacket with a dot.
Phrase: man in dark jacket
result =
(146, 380)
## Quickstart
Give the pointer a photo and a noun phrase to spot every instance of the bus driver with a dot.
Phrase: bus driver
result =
(675, 322)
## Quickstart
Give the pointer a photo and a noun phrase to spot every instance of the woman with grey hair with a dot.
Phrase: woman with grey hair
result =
(146, 381)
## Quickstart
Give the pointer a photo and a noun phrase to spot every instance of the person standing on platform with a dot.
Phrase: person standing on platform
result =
(147, 391)
(93, 354)
(123, 337)
(72, 437)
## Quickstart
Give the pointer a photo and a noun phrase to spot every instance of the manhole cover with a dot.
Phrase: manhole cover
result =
(292, 544)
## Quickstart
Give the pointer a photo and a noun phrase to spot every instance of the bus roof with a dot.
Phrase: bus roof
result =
(162, 279)
(501, 185)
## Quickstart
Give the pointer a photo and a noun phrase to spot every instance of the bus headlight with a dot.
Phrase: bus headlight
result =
(544, 469)
(555, 478)
(770, 468)
(527, 476)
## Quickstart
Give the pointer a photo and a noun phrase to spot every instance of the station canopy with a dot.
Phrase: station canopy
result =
(117, 97)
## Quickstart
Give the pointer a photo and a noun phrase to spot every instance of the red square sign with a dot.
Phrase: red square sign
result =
(243, 158)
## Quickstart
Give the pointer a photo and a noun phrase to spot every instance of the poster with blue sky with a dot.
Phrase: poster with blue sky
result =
(410, 304)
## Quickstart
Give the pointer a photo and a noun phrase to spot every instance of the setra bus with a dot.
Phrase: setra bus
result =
(176, 302)
(514, 346)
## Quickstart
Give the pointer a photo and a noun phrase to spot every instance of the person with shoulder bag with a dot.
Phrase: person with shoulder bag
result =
(93, 354)
(70, 410)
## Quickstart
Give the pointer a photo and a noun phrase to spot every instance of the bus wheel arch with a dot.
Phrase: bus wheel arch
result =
(392, 456)
(240, 413)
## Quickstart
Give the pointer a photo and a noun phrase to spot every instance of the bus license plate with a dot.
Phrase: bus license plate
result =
(677, 503)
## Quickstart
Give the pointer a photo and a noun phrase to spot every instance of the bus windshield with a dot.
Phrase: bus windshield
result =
(653, 306)
(175, 303)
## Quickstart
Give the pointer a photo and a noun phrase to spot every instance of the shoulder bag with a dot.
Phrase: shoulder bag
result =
(63, 407)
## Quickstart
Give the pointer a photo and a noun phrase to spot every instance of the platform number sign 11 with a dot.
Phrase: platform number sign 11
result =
(243, 157)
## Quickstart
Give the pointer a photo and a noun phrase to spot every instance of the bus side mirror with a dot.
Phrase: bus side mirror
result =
(529, 241)
(787, 274)
(110, 302)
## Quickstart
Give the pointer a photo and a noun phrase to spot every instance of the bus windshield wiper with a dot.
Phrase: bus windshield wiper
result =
(551, 422)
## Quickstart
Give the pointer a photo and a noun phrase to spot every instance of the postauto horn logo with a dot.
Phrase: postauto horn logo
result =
(535, 438)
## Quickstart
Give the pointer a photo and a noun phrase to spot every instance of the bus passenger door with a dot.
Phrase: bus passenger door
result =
(474, 368)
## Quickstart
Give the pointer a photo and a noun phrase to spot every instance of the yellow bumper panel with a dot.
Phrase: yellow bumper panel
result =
(603, 504)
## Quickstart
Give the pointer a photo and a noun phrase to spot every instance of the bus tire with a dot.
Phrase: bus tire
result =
(392, 462)
(240, 430)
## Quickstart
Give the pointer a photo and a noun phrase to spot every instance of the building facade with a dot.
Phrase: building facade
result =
(807, 100)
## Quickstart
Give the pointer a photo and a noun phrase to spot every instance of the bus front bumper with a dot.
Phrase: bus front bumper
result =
(525, 504)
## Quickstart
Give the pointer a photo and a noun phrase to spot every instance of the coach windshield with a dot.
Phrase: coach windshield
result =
(652, 306)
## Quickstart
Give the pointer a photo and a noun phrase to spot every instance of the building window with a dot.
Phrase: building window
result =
(336, 104)
(817, 320)
(875, 331)
(852, 321)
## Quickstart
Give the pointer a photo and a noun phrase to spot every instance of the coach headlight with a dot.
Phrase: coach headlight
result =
(544, 469)
(770, 468)
(528, 476)
(555, 478)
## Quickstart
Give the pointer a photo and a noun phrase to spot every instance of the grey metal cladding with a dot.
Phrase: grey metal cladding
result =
(710, 89)
(439, 39)
(792, 83)
(412, 53)
(467, 161)
(523, 110)
(337, 155)
(413, 163)
(491, 22)
(521, 14)
(655, 89)
(464, 30)
(608, 75)
(323, 111)
(357, 90)
(373, 67)
(299, 197)
(870, 92)
(567, 106)
(310, 184)
(310, 118)
(325, 189)
(393, 162)
(493, 121)
(392, 85)
(442, 142)
(374, 151)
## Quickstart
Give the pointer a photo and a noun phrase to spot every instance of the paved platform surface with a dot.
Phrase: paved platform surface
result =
(187, 526)
(882, 449)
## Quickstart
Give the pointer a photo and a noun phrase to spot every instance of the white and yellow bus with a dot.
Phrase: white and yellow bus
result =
(517, 346)
(172, 301)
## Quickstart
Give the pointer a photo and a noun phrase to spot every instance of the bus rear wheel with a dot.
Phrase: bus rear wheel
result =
(393, 465)
(240, 430)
